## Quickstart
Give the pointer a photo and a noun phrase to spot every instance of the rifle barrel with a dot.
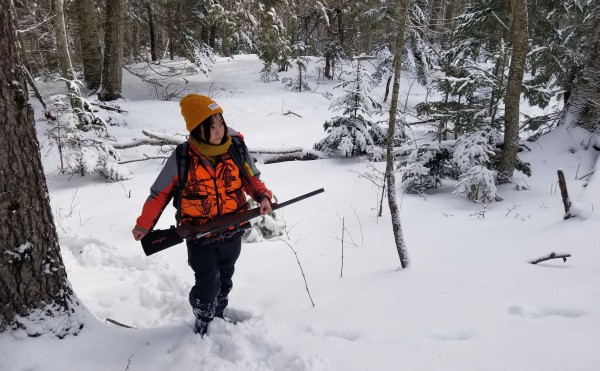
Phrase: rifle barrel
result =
(235, 219)
(296, 199)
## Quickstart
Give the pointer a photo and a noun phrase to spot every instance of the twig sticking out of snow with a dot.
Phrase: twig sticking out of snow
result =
(301, 270)
(118, 323)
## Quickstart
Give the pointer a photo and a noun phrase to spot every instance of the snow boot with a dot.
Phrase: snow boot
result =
(201, 327)
(204, 313)
(220, 304)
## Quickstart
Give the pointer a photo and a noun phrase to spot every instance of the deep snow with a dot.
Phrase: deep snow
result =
(468, 301)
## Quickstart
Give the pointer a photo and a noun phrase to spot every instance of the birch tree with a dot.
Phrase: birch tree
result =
(35, 295)
(402, 11)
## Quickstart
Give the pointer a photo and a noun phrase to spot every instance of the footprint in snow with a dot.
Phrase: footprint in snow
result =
(237, 315)
(537, 313)
(452, 336)
(342, 334)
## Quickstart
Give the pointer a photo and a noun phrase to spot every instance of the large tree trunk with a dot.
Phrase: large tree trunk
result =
(34, 292)
(402, 6)
(519, 39)
(91, 49)
(173, 17)
(153, 39)
(112, 73)
(583, 106)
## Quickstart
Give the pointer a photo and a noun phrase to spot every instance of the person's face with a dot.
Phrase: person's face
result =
(217, 130)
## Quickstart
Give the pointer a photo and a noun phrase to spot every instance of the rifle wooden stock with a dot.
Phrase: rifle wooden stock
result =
(162, 239)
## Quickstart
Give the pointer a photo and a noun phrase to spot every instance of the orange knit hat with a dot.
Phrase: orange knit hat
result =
(197, 108)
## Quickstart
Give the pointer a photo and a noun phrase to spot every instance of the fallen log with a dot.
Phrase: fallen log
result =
(300, 156)
(154, 139)
(267, 156)
(107, 107)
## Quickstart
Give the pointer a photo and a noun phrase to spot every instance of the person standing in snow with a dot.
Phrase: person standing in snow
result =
(216, 174)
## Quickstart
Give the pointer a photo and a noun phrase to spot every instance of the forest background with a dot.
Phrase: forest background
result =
(479, 61)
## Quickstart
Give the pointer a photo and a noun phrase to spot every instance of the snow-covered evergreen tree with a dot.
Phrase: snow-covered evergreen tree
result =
(383, 64)
(472, 67)
(82, 149)
(353, 133)
(265, 226)
(300, 61)
(560, 32)
(200, 54)
(473, 158)
(418, 48)
(426, 166)
(273, 44)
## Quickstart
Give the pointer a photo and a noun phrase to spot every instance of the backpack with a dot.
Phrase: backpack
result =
(237, 151)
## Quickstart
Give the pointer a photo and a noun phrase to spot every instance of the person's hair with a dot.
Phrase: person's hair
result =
(205, 128)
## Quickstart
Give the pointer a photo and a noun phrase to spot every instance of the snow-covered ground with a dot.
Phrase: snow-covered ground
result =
(469, 300)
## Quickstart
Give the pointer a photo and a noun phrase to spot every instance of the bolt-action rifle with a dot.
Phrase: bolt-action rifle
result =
(162, 239)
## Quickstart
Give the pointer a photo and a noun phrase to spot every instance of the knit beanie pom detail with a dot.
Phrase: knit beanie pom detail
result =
(197, 108)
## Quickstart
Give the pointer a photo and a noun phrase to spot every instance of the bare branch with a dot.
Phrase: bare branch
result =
(37, 25)
(291, 113)
(551, 256)
(118, 323)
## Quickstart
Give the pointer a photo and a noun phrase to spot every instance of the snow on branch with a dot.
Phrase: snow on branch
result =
(154, 139)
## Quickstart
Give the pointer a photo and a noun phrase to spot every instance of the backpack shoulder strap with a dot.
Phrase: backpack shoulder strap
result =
(183, 161)
(181, 155)
(237, 151)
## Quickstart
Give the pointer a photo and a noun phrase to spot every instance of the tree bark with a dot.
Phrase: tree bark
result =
(402, 6)
(112, 72)
(91, 55)
(153, 46)
(35, 295)
(519, 38)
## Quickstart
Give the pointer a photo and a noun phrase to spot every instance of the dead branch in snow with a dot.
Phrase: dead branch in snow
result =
(586, 175)
(551, 256)
(291, 113)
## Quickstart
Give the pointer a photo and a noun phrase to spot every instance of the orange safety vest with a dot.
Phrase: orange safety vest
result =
(212, 190)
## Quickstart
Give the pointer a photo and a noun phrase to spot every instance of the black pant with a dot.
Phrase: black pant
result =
(213, 266)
